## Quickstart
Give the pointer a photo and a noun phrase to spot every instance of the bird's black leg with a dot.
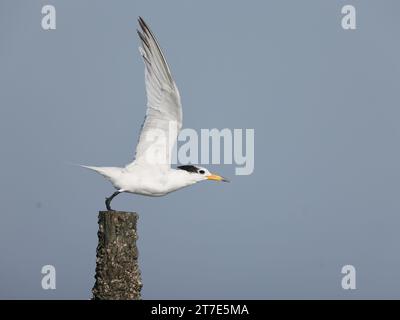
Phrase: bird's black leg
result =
(109, 199)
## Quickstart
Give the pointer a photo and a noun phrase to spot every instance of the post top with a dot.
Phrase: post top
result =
(118, 213)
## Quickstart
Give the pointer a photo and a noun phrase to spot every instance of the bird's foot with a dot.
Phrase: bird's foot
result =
(109, 199)
(108, 206)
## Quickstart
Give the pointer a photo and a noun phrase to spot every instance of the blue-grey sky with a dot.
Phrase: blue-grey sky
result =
(324, 103)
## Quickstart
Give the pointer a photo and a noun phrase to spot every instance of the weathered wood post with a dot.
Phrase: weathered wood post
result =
(117, 270)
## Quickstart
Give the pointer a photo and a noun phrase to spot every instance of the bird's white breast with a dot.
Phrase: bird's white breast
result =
(151, 180)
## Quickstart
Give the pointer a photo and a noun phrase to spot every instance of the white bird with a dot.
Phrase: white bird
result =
(150, 173)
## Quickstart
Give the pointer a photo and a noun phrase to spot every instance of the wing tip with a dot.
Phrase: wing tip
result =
(143, 24)
(147, 37)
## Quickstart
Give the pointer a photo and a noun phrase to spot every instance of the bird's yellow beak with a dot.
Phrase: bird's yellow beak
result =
(217, 178)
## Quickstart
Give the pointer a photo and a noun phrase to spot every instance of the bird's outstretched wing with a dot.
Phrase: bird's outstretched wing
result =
(163, 119)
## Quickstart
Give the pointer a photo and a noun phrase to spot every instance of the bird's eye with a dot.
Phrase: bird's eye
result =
(202, 172)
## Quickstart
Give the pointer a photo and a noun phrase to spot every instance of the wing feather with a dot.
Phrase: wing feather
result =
(163, 118)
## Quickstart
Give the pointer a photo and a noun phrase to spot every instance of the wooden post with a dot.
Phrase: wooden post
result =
(117, 270)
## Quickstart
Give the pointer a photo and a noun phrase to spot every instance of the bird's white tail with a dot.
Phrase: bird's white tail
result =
(108, 172)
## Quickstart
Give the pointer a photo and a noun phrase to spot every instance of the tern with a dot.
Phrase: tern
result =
(150, 172)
